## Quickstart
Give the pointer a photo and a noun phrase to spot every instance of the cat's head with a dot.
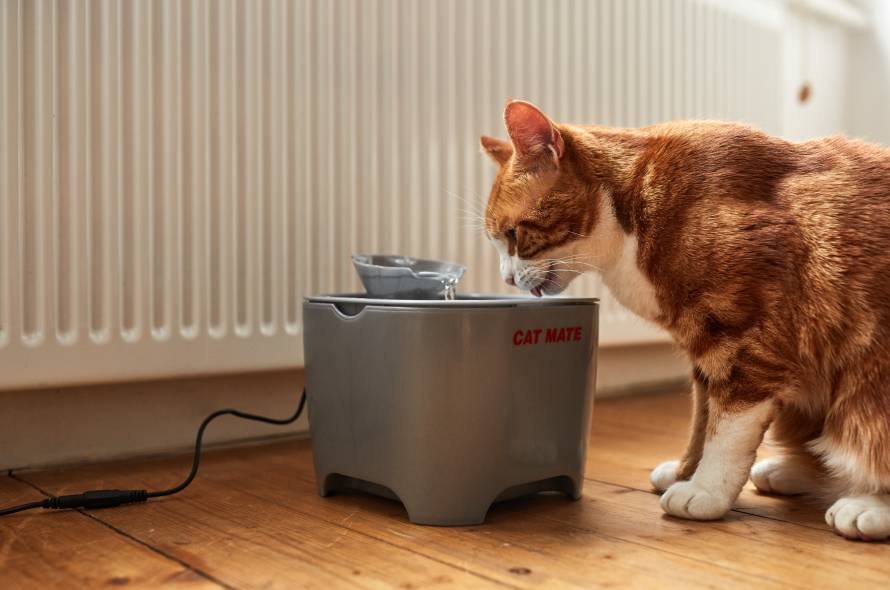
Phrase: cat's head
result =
(541, 213)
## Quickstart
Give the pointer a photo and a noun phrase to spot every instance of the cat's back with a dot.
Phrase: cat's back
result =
(727, 139)
(862, 166)
(710, 135)
(744, 191)
(846, 179)
(722, 154)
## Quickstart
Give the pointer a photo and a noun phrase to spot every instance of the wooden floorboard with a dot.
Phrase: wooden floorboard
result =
(42, 550)
(253, 519)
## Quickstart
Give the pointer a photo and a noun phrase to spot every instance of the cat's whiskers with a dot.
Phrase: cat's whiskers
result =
(570, 261)
(472, 218)
(546, 261)
(471, 215)
(586, 265)
(476, 205)
(547, 281)
(476, 220)
(472, 222)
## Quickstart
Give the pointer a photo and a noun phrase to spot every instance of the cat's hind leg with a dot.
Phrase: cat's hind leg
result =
(855, 449)
(865, 517)
(786, 475)
(794, 470)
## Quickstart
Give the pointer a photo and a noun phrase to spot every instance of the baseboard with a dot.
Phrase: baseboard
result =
(628, 370)
(52, 427)
(653, 388)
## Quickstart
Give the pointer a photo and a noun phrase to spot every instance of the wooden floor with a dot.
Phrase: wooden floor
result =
(253, 519)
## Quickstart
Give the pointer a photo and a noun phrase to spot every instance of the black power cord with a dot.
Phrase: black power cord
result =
(110, 498)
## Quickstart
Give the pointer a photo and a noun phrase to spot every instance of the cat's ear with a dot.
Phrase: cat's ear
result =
(533, 134)
(499, 150)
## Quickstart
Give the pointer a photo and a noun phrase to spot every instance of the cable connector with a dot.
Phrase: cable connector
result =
(96, 499)
(112, 498)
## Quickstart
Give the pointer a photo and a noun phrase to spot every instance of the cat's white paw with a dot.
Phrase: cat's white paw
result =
(781, 475)
(686, 499)
(665, 475)
(861, 517)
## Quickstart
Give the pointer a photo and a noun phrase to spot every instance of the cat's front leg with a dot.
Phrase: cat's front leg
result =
(670, 472)
(735, 430)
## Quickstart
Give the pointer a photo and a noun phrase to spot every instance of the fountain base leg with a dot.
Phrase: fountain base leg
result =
(455, 509)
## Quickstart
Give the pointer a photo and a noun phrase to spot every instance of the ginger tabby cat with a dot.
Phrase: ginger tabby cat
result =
(769, 263)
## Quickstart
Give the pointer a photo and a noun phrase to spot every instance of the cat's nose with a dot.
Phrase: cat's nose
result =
(510, 280)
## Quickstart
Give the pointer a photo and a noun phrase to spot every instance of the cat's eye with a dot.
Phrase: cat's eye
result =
(511, 233)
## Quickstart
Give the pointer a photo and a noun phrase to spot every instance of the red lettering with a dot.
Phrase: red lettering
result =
(551, 335)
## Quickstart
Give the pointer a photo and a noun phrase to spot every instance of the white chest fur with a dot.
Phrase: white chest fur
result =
(627, 283)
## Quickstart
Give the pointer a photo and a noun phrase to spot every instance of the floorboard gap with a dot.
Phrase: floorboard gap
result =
(153, 549)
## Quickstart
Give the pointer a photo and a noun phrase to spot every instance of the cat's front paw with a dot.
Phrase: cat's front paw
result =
(686, 499)
(665, 475)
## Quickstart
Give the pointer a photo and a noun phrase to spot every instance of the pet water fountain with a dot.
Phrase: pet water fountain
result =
(447, 402)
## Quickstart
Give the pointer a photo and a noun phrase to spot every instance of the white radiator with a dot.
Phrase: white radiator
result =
(175, 176)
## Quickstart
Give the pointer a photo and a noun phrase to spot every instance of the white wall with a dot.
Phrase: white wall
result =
(870, 88)
(816, 50)
(843, 48)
